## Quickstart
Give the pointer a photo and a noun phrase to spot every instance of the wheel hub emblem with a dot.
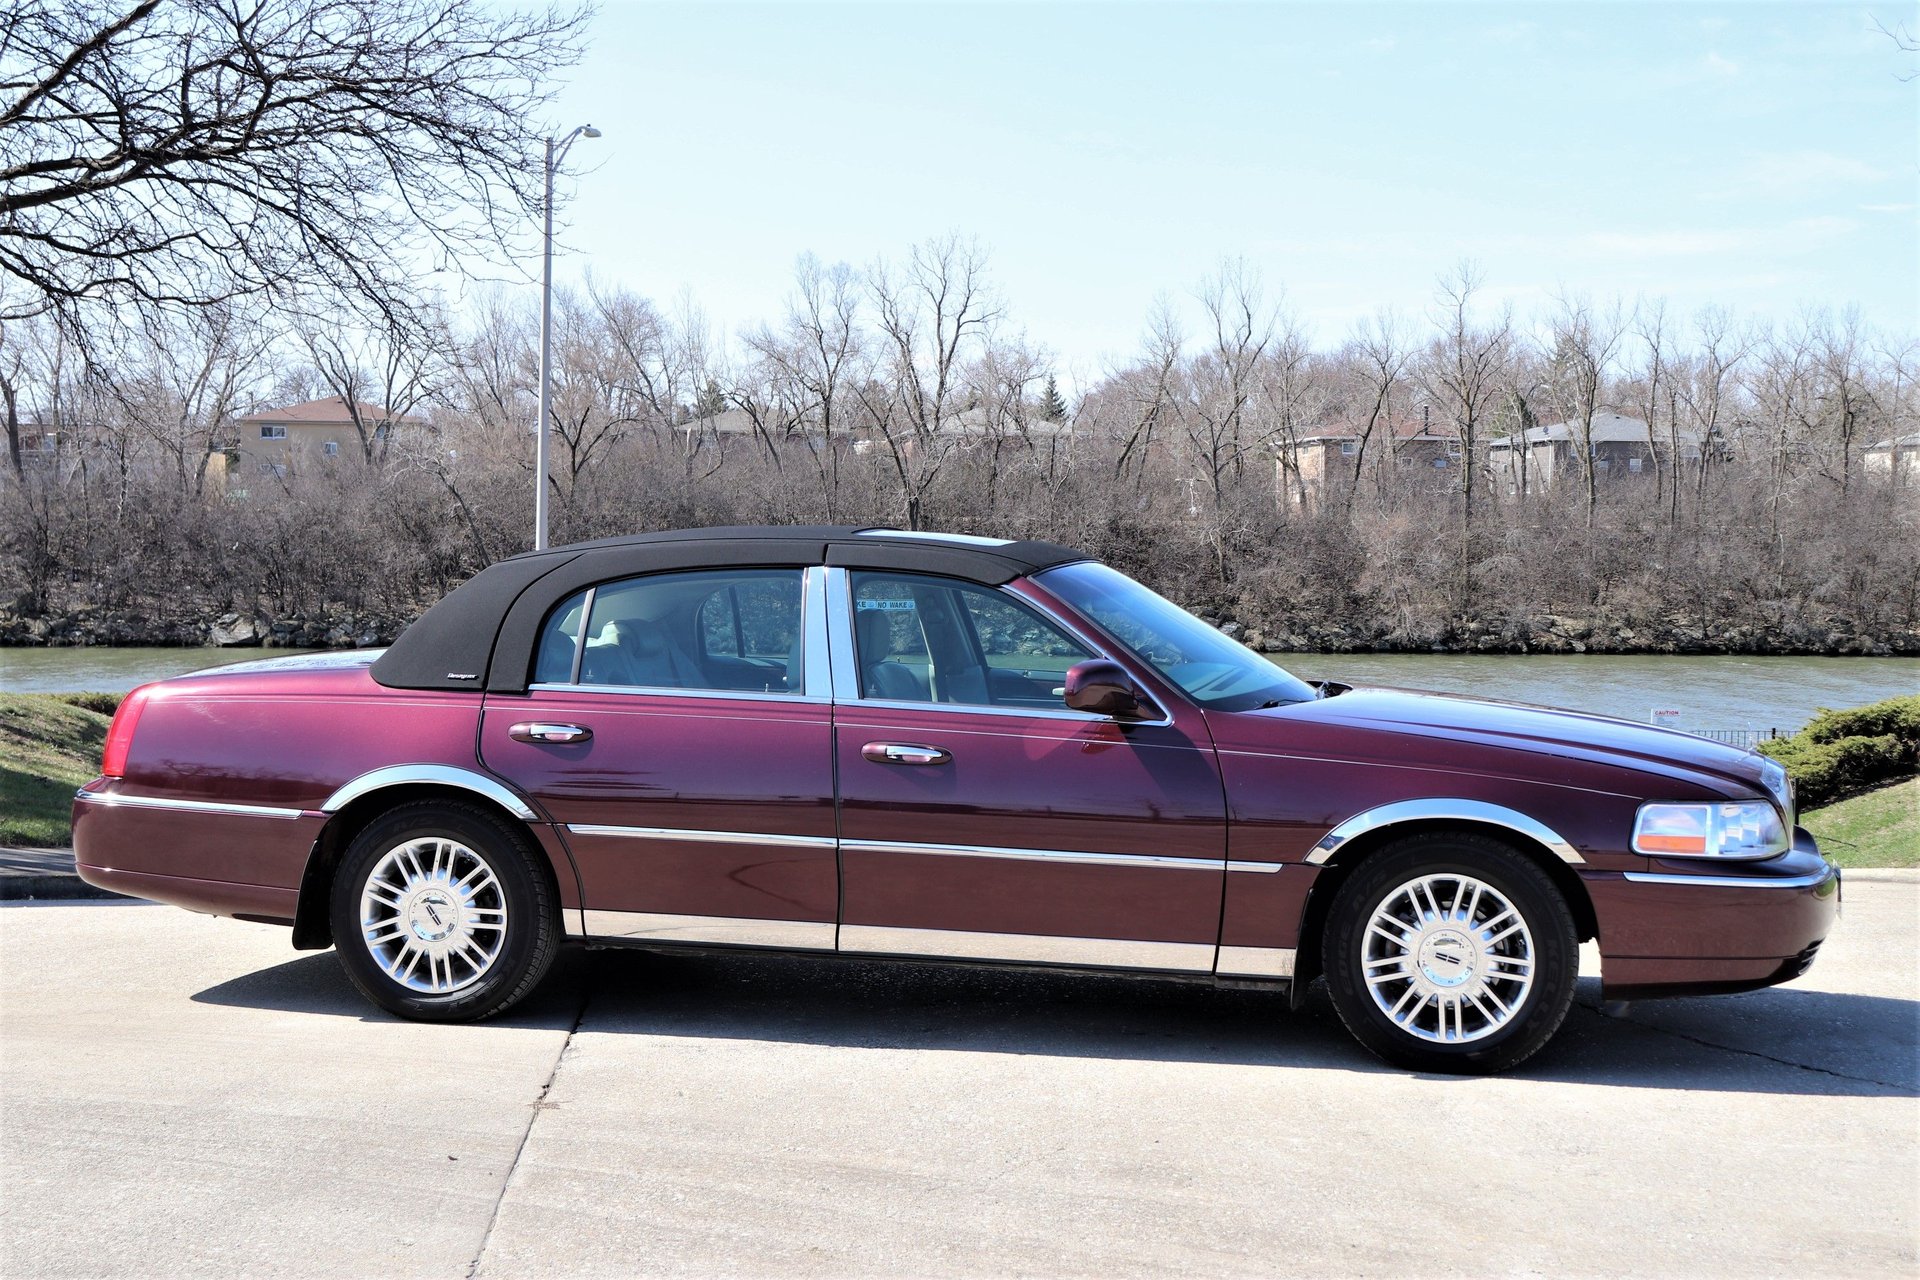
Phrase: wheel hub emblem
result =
(1446, 958)
(434, 915)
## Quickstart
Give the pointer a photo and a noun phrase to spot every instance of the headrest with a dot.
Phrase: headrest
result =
(874, 628)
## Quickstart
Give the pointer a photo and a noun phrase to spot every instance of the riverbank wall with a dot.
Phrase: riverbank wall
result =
(1801, 635)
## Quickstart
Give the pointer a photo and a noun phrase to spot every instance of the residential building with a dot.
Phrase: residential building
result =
(1306, 468)
(1542, 458)
(278, 441)
(1896, 459)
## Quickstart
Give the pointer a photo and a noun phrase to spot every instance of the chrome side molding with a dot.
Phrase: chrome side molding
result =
(1807, 881)
(1401, 811)
(700, 837)
(1093, 953)
(437, 774)
(1164, 861)
(187, 806)
(1255, 962)
(731, 931)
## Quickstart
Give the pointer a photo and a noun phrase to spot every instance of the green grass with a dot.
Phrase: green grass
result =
(48, 747)
(1878, 828)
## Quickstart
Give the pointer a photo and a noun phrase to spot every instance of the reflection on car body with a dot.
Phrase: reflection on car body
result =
(883, 743)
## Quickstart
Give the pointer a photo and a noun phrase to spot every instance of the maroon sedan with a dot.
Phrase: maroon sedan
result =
(936, 747)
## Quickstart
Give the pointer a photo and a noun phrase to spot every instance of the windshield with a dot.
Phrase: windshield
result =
(1214, 670)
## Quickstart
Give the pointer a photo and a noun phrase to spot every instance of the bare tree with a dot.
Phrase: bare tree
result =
(1377, 356)
(1463, 372)
(1222, 381)
(200, 151)
(932, 312)
(1586, 342)
(380, 376)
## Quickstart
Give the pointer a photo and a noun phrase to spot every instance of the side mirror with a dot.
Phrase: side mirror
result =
(1105, 688)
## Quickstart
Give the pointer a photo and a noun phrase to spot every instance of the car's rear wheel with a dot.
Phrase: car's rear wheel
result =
(441, 913)
(1451, 952)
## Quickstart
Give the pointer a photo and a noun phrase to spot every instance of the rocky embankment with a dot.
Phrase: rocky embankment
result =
(1539, 633)
(227, 630)
(1556, 633)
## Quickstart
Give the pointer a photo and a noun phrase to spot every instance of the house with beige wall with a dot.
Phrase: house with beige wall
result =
(278, 442)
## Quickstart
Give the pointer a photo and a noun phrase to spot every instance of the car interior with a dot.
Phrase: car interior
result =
(916, 639)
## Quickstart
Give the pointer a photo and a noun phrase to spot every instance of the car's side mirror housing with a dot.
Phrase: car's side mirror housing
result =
(1105, 688)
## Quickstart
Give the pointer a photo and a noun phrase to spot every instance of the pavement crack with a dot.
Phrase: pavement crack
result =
(534, 1111)
(1747, 1053)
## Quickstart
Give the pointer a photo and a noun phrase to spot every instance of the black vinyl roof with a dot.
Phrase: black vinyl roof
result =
(482, 634)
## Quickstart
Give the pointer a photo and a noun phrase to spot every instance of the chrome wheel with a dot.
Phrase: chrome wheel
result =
(433, 915)
(1447, 958)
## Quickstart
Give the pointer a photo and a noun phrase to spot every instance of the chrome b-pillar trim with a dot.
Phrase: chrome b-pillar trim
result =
(842, 664)
(1442, 809)
(814, 645)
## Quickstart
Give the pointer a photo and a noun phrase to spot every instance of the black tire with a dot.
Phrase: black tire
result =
(519, 888)
(1487, 1044)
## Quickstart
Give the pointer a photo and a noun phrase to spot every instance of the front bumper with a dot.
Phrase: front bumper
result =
(1683, 927)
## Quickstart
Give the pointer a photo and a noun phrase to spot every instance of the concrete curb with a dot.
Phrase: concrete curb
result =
(41, 875)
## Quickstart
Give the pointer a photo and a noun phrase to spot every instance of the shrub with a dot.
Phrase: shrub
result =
(105, 703)
(1896, 717)
(1841, 752)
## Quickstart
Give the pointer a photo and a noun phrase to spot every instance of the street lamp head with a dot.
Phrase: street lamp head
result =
(589, 131)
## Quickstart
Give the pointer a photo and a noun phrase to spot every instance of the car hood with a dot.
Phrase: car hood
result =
(1516, 726)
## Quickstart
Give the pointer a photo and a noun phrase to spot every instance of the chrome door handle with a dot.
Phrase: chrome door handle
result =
(539, 731)
(904, 753)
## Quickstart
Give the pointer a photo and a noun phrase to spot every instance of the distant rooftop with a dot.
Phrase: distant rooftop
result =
(330, 411)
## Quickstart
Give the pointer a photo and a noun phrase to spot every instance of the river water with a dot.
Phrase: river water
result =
(1709, 693)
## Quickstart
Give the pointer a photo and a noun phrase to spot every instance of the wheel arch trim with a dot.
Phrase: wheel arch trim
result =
(440, 775)
(1443, 809)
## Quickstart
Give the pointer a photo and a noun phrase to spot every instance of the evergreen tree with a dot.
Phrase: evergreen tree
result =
(1052, 407)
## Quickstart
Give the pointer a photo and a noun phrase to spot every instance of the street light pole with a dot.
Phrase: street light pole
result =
(556, 152)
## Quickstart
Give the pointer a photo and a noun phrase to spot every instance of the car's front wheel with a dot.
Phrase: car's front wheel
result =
(1451, 952)
(441, 914)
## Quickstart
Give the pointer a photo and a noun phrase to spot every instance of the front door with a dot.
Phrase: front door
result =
(980, 818)
(673, 733)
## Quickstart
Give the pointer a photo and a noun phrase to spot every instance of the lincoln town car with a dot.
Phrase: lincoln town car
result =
(940, 748)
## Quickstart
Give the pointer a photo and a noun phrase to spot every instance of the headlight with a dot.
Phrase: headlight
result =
(1774, 774)
(1729, 829)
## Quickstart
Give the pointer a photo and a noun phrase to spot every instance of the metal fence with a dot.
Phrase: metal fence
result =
(1748, 738)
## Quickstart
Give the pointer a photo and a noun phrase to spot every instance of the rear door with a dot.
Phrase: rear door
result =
(674, 732)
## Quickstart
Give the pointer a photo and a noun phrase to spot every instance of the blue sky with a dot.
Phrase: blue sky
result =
(1759, 156)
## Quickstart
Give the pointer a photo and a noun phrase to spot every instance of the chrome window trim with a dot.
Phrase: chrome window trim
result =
(436, 774)
(188, 806)
(1255, 962)
(1807, 881)
(702, 837)
(1086, 858)
(846, 668)
(732, 931)
(971, 708)
(669, 691)
(1442, 809)
(1095, 953)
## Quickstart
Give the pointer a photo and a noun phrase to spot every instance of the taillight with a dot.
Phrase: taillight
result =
(113, 761)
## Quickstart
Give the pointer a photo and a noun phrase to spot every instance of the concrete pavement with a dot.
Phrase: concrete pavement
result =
(185, 1096)
(42, 874)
